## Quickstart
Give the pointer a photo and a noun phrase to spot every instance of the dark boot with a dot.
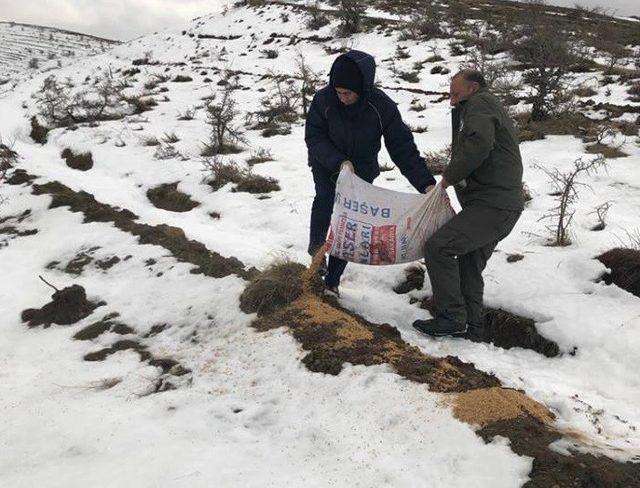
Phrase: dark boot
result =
(440, 326)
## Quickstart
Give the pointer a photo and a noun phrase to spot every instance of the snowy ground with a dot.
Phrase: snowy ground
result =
(253, 416)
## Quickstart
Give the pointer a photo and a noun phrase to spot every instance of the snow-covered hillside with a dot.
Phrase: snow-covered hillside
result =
(160, 379)
(26, 48)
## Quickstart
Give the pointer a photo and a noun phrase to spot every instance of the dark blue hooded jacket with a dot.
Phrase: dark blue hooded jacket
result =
(335, 133)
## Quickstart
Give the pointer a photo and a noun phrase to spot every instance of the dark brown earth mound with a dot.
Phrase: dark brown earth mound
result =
(67, 306)
(79, 161)
(168, 197)
(625, 269)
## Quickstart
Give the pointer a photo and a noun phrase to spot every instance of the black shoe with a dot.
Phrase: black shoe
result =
(440, 326)
(475, 332)
(332, 290)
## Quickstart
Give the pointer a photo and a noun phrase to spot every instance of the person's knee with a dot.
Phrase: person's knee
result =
(433, 247)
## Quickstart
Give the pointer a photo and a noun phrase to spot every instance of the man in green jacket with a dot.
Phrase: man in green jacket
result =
(486, 172)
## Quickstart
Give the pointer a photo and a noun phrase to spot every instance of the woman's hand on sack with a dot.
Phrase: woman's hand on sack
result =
(348, 165)
(445, 184)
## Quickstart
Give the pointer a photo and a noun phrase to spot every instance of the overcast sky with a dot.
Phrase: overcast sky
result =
(126, 19)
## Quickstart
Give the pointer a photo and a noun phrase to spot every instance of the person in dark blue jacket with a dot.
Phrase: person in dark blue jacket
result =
(345, 124)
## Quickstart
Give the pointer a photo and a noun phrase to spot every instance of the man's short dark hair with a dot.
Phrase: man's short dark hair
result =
(472, 75)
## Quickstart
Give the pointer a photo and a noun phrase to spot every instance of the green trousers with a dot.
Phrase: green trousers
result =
(456, 256)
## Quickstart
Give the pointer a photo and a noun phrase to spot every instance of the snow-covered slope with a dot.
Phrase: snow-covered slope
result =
(245, 411)
(25, 47)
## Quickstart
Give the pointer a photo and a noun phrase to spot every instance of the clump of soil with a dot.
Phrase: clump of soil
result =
(505, 329)
(80, 161)
(171, 238)
(276, 286)
(19, 177)
(123, 345)
(107, 263)
(67, 306)
(625, 269)
(414, 280)
(107, 323)
(38, 133)
(168, 197)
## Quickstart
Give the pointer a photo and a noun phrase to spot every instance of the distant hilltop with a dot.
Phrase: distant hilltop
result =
(25, 47)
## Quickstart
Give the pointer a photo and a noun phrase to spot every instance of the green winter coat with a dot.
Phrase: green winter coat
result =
(485, 167)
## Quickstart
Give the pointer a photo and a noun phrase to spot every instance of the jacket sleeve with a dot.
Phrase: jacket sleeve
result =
(316, 135)
(475, 143)
(403, 151)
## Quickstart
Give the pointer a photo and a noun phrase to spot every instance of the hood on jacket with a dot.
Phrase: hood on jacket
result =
(367, 66)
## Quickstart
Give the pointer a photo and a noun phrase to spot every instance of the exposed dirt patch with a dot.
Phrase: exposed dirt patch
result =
(107, 263)
(19, 177)
(173, 239)
(413, 280)
(67, 306)
(334, 336)
(107, 323)
(528, 436)
(625, 269)
(505, 329)
(168, 197)
(122, 345)
(80, 161)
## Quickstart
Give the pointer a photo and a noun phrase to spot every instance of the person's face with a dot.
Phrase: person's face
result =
(347, 97)
(461, 90)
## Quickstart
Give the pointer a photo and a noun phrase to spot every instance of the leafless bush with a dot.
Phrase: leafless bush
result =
(317, 19)
(279, 107)
(546, 56)
(167, 151)
(351, 15)
(224, 135)
(601, 212)
(170, 137)
(218, 173)
(424, 25)
(188, 114)
(309, 82)
(149, 141)
(437, 161)
(261, 155)
(566, 190)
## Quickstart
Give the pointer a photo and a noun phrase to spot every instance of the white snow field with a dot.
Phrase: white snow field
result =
(250, 414)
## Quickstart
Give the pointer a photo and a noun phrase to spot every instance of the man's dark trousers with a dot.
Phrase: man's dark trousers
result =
(457, 254)
(321, 210)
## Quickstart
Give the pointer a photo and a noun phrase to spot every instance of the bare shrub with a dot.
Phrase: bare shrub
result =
(424, 25)
(8, 159)
(317, 19)
(224, 135)
(167, 151)
(309, 82)
(546, 56)
(351, 15)
(218, 173)
(170, 137)
(601, 212)
(261, 155)
(279, 107)
(566, 190)
(188, 114)
(437, 161)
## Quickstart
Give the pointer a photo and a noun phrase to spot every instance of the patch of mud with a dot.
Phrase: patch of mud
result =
(123, 345)
(625, 269)
(413, 280)
(67, 306)
(11, 232)
(507, 330)
(168, 197)
(171, 238)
